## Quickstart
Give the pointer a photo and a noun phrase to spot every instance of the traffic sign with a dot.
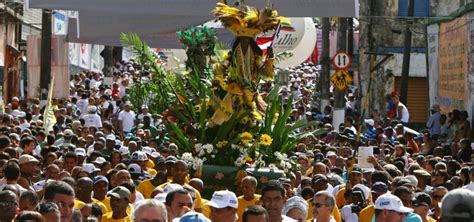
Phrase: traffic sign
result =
(341, 79)
(341, 60)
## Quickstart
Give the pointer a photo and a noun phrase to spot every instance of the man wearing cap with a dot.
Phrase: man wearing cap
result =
(100, 189)
(223, 206)
(92, 119)
(434, 123)
(370, 129)
(146, 187)
(29, 169)
(458, 206)
(421, 205)
(389, 208)
(109, 145)
(424, 179)
(84, 188)
(355, 177)
(119, 200)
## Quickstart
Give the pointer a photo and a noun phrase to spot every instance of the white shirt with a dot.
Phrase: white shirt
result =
(24, 126)
(127, 119)
(92, 120)
(405, 114)
(331, 219)
(469, 186)
(287, 219)
(141, 116)
(82, 106)
(347, 215)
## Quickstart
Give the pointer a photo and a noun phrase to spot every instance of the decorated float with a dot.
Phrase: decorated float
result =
(225, 127)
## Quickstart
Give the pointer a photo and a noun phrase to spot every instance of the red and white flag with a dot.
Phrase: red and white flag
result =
(264, 42)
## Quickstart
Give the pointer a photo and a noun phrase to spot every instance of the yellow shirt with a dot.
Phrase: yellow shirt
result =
(244, 204)
(78, 204)
(146, 188)
(108, 218)
(150, 164)
(152, 171)
(335, 212)
(367, 213)
(197, 202)
(106, 202)
(206, 209)
(340, 200)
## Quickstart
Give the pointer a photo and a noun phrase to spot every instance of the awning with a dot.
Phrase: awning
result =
(201, 8)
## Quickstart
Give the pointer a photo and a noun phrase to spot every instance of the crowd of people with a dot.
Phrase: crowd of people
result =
(105, 160)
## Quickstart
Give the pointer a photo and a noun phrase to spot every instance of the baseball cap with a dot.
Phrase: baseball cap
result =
(167, 189)
(139, 156)
(110, 137)
(89, 168)
(222, 199)
(124, 150)
(99, 179)
(458, 204)
(134, 169)
(80, 151)
(318, 157)
(369, 121)
(147, 150)
(356, 169)
(362, 188)
(25, 158)
(170, 159)
(155, 154)
(319, 177)
(68, 132)
(389, 201)
(120, 192)
(421, 199)
(192, 217)
(92, 109)
(421, 173)
(330, 153)
(379, 187)
(99, 160)
(21, 114)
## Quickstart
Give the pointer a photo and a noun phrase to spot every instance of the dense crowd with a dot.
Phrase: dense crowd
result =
(106, 161)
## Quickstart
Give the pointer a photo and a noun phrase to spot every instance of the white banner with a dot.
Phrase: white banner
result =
(97, 62)
(74, 53)
(85, 56)
(60, 20)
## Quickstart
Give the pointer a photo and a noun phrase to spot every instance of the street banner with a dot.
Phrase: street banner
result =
(74, 53)
(453, 64)
(60, 21)
(85, 56)
(97, 62)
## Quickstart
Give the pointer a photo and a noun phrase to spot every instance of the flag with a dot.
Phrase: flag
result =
(264, 42)
(48, 116)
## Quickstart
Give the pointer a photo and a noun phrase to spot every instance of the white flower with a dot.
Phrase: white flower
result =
(201, 153)
(213, 156)
(198, 147)
(272, 166)
(208, 147)
(204, 159)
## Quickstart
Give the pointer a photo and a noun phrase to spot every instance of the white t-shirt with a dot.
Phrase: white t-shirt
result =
(287, 219)
(347, 215)
(92, 120)
(469, 186)
(24, 126)
(141, 116)
(82, 106)
(127, 119)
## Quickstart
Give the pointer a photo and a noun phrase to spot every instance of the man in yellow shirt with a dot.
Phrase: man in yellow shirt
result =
(100, 188)
(248, 187)
(84, 188)
(379, 188)
(421, 205)
(146, 187)
(119, 200)
(179, 171)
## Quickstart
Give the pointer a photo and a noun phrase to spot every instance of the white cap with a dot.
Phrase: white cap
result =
(370, 122)
(364, 189)
(99, 160)
(80, 151)
(134, 169)
(89, 168)
(330, 153)
(389, 201)
(21, 114)
(167, 189)
(147, 150)
(139, 156)
(25, 158)
(223, 199)
(92, 109)
(155, 154)
(108, 92)
(124, 150)
(110, 137)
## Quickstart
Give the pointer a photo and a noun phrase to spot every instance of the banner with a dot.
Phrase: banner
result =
(74, 53)
(453, 64)
(97, 62)
(85, 56)
(59, 22)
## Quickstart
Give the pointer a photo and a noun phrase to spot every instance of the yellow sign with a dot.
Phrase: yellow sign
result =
(453, 64)
(341, 79)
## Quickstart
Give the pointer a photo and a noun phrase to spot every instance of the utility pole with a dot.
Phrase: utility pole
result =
(406, 54)
(108, 61)
(45, 70)
(325, 64)
(339, 98)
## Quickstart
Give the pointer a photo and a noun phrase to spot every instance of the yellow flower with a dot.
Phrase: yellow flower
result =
(222, 144)
(265, 140)
(246, 137)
